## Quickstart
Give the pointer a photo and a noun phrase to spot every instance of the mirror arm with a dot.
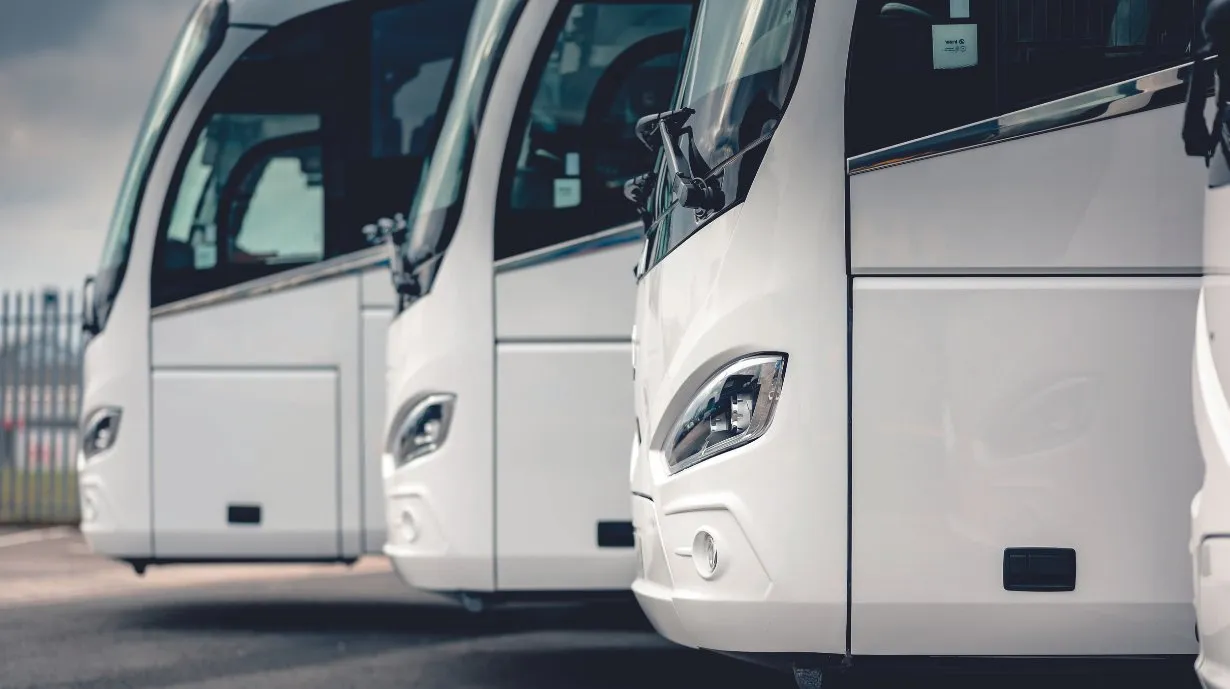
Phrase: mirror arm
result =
(89, 314)
(692, 192)
(404, 282)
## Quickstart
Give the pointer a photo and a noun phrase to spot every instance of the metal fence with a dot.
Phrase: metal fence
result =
(40, 401)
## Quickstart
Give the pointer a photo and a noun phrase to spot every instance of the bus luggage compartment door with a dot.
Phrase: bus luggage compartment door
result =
(245, 464)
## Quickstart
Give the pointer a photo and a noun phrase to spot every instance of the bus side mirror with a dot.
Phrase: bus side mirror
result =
(1210, 48)
(89, 309)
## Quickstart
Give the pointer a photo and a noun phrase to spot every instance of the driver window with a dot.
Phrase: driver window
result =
(610, 63)
(249, 198)
(273, 202)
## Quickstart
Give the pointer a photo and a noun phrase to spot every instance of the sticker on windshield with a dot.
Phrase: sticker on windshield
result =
(572, 164)
(567, 192)
(954, 46)
(958, 9)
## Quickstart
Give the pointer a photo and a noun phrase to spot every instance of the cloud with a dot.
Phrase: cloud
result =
(75, 78)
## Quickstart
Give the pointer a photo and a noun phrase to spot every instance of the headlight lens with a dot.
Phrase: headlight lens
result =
(732, 409)
(421, 427)
(99, 430)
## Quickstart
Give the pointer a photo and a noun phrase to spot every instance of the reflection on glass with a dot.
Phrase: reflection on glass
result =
(199, 38)
(440, 185)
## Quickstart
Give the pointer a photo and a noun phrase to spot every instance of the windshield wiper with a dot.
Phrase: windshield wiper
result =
(692, 191)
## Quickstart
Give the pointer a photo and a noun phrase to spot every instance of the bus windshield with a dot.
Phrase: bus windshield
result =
(433, 213)
(198, 40)
(739, 71)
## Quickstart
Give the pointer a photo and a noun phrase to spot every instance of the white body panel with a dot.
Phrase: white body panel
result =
(257, 400)
(562, 396)
(1013, 376)
(992, 413)
(1014, 208)
(242, 429)
(536, 350)
(1210, 532)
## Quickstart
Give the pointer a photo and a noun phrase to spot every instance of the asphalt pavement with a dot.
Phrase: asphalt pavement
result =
(69, 619)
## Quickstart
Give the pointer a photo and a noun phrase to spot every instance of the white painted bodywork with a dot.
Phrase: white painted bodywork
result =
(1015, 376)
(537, 353)
(1210, 544)
(253, 400)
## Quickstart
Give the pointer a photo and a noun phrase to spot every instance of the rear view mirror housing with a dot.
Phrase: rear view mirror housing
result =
(89, 309)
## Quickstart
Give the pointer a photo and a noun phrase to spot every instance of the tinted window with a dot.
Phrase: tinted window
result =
(285, 169)
(409, 78)
(265, 176)
(574, 144)
(920, 67)
(436, 203)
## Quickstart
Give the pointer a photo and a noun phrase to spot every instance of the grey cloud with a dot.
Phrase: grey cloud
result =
(49, 24)
(75, 76)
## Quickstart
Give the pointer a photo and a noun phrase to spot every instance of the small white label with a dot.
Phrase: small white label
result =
(567, 192)
(958, 9)
(954, 46)
(572, 164)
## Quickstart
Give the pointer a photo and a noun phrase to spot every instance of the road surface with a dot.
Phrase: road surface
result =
(69, 619)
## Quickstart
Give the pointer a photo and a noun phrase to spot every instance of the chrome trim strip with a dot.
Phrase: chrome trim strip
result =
(1029, 271)
(347, 264)
(1149, 92)
(623, 234)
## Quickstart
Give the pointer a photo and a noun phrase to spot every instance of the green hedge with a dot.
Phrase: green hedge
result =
(38, 497)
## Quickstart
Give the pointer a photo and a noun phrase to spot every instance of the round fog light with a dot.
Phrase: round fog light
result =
(705, 554)
(408, 530)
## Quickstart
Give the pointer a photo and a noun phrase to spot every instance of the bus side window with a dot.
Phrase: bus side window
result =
(248, 199)
(574, 145)
(921, 67)
(276, 209)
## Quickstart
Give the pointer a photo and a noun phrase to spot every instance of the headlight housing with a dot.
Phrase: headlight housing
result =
(420, 427)
(731, 409)
(99, 430)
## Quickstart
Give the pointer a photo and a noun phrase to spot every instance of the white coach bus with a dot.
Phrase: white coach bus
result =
(1210, 544)
(509, 389)
(234, 380)
(913, 331)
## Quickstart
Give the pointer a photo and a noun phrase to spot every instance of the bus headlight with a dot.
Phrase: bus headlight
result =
(421, 427)
(99, 431)
(733, 408)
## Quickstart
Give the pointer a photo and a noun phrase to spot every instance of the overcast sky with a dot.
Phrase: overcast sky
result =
(75, 76)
